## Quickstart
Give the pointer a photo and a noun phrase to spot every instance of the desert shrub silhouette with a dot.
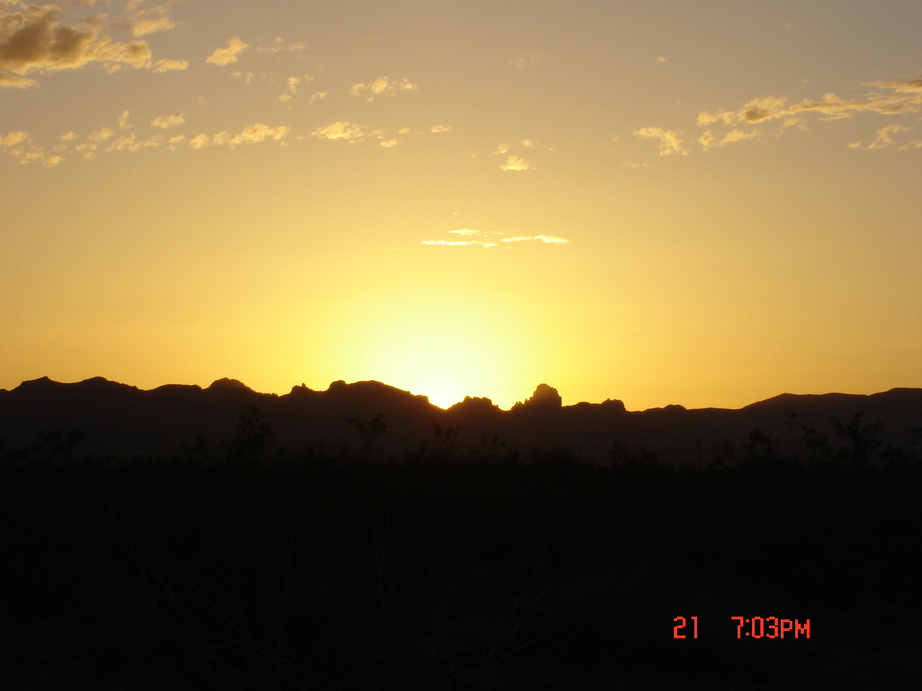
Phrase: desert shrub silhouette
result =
(861, 440)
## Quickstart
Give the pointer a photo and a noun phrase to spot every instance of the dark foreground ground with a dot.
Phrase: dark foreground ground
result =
(429, 575)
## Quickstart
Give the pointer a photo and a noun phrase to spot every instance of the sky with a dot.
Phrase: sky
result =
(664, 202)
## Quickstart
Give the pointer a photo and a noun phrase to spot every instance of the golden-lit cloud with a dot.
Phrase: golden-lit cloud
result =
(708, 140)
(20, 146)
(546, 239)
(145, 26)
(440, 128)
(883, 136)
(200, 141)
(228, 55)
(13, 138)
(41, 157)
(123, 123)
(165, 65)
(898, 98)
(131, 143)
(491, 239)
(101, 135)
(474, 237)
(259, 132)
(500, 149)
(167, 121)
(516, 163)
(340, 130)
(32, 39)
(278, 46)
(254, 134)
(669, 140)
(382, 86)
(317, 96)
(905, 97)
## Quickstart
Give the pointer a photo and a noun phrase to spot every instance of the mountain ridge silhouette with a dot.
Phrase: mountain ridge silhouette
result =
(122, 420)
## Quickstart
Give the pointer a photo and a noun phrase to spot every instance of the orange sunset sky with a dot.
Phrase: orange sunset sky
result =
(702, 203)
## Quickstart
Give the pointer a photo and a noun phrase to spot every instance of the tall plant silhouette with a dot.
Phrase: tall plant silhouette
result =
(253, 441)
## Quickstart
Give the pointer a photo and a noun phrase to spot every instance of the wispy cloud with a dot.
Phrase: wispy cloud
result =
(164, 65)
(253, 134)
(708, 140)
(669, 140)
(149, 25)
(22, 147)
(751, 120)
(101, 135)
(382, 86)
(526, 60)
(228, 55)
(905, 97)
(278, 46)
(883, 136)
(167, 121)
(440, 128)
(151, 20)
(893, 98)
(131, 143)
(546, 239)
(884, 139)
(489, 239)
(247, 78)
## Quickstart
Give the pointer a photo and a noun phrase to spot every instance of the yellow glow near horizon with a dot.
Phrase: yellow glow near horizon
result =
(445, 347)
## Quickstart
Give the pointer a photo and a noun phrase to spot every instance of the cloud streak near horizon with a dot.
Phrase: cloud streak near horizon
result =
(491, 239)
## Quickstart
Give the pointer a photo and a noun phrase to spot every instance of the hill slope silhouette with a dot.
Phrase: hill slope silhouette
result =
(106, 418)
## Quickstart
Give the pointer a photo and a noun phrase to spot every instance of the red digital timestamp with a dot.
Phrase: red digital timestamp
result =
(754, 627)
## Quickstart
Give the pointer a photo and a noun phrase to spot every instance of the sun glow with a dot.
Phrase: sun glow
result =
(443, 347)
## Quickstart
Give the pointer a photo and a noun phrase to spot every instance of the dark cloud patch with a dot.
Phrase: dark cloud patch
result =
(33, 39)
